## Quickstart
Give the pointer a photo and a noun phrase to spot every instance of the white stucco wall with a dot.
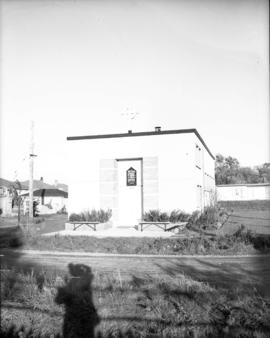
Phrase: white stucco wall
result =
(177, 174)
(243, 192)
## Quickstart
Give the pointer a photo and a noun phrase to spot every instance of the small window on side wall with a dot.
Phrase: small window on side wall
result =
(199, 196)
(198, 157)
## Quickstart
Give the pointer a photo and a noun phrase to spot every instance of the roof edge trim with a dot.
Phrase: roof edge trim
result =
(145, 133)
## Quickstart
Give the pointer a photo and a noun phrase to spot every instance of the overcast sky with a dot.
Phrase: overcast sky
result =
(77, 68)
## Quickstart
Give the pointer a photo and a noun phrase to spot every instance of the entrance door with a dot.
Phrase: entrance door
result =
(129, 192)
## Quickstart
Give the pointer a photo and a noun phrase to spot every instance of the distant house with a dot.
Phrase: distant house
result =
(37, 184)
(131, 173)
(243, 192)
(51, 198)
(5, 197)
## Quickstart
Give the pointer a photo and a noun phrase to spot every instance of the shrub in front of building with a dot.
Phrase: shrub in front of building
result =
(158, 216)
(101, 216)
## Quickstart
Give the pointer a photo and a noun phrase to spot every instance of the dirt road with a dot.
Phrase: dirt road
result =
(225, 271)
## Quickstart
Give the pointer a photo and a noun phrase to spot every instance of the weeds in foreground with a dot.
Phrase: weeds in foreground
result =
(11, 237)
(140, 306)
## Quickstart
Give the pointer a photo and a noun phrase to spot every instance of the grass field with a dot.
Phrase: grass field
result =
(254, 215)
(247, 205)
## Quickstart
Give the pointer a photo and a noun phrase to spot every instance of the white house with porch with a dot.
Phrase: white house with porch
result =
(134, 172)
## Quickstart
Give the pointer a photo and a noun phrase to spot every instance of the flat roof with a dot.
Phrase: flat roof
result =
(144, 133)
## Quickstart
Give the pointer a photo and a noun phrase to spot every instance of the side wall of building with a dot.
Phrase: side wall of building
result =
(204, 173)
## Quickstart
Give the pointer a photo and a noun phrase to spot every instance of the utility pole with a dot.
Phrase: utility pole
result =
(31, 172)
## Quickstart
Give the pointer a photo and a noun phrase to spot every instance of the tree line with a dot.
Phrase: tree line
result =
(229, 171)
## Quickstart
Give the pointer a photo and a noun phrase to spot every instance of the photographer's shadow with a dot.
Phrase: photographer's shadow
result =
(81, 317)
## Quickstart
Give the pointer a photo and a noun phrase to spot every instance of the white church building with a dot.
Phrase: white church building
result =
(134, 172)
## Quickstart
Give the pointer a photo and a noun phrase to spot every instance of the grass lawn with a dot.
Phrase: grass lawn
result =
(240, 243)
(254, 215)
(43, 223)
(50, 304)
(263, 205)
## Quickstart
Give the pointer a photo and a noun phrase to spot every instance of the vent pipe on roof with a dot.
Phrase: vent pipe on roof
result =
(157, 129)
(41, 179)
